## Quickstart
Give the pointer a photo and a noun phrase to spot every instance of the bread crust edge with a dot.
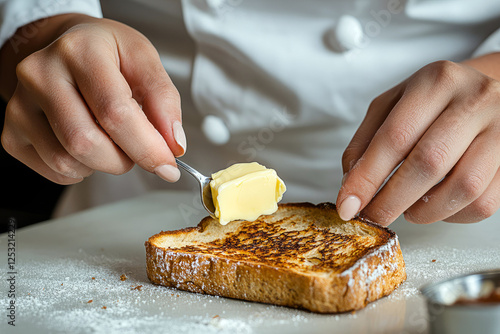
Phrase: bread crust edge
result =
(375, 275)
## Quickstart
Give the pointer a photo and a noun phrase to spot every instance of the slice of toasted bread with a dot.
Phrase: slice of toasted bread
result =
(302, 256)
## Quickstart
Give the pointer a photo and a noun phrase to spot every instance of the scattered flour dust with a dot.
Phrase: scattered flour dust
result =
(88, 294)
(432, 264)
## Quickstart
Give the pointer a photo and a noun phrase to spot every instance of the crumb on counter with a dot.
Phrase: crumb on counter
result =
(104, 307)
(433, 260)
(123, 277)
(139, 287)
(90, 301)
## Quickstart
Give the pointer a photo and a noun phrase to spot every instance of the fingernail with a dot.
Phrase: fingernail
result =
(180, 136)
(349, 208)
(168, 173)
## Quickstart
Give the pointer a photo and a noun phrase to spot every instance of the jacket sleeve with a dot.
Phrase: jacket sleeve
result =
(490, 45)
(17, 13)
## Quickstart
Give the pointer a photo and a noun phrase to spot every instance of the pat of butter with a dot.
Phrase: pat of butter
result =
(245, 191)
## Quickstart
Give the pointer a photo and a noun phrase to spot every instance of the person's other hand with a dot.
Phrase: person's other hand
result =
(96, 98)
(443, 126)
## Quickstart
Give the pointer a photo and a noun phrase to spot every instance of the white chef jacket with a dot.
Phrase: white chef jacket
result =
(277, 74)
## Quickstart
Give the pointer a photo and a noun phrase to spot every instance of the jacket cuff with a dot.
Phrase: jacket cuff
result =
(15, 14)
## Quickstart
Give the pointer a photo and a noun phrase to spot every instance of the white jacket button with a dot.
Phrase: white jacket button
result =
(215, 130)
(347, 35)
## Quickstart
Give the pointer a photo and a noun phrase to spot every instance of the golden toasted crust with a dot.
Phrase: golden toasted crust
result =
(302, 256)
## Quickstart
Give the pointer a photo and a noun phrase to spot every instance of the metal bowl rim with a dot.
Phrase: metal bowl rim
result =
(485, 274)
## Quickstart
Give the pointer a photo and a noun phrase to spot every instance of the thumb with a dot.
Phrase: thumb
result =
(152, 88)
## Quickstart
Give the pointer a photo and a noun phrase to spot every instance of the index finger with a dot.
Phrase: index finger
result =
(110, 99)
(391, 143)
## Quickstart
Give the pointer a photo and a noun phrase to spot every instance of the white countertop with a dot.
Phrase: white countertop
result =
(64, 263)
